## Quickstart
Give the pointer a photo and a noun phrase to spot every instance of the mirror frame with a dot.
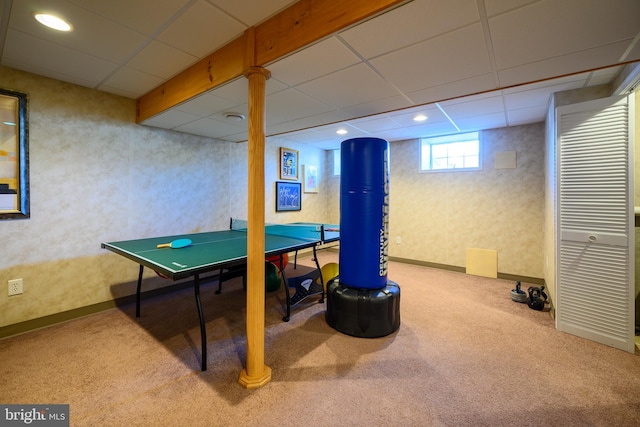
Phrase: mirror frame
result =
(21, 121)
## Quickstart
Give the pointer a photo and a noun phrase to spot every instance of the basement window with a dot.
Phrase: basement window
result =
(336, 162)
(459, 152)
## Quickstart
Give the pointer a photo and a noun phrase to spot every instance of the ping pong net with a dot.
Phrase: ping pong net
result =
(300, 230)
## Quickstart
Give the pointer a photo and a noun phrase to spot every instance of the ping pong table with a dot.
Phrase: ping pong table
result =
(218, 250)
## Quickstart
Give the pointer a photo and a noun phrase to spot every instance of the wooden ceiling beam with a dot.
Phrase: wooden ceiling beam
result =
(300, 25)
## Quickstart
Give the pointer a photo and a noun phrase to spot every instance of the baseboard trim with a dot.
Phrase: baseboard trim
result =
(504, 276)
(65, 316)
(76, 313)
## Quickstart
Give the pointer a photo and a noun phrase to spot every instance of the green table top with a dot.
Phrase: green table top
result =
(217, 249)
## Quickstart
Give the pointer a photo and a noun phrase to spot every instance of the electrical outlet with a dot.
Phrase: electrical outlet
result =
(15, 287)
(398, 240)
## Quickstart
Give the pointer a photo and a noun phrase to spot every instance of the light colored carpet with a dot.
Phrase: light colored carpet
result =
(465, 355)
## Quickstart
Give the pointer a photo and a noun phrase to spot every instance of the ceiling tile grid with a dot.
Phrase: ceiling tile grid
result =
(201, 29)
(370, 78)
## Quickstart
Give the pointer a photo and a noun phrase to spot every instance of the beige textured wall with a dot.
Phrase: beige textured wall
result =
(96, 176)
(314, 207)
(438, 215)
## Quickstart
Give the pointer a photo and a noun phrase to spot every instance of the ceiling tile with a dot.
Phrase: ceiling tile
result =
(237, 137)
(212, 128)
(206, 104)
(132, 81)
(352, 132)
(451, 90)
(353, 86)
(433, 113)
(539, 96)
(397, 63)
(144, 16)
(375, 124)
(496, 7)
(332, 116)
(608, 73)
(21, 48)
(633, 54)
(546, 84)
(562, 65)
(425, 130)
(431, 63)
(161, 60)
(378, 106)
(410, 24)
(548, 29)
(237, 91)
(171, 119)
(463, 108)
(307, 136)
(118, 91)
(290, 105)
(526, 115)
(318, 60)
(480, 122)
(194, 33)
(252, 12)
(92, 34)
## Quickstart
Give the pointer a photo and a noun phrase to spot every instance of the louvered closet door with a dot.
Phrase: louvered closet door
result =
(595, 285)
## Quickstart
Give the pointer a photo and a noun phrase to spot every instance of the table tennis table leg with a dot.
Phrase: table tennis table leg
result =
(203, 331)
(315, 258)
(286, 289)
(138, 290)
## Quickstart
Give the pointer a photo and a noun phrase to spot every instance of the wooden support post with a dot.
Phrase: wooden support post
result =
(256, 374)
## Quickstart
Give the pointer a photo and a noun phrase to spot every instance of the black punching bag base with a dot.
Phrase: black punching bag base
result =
(365, 313)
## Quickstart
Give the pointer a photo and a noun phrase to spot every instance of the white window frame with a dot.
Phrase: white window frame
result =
(336, 162)
(450, 139)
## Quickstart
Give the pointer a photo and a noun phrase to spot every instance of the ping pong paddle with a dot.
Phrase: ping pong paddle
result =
(176, 244)
(331, 229)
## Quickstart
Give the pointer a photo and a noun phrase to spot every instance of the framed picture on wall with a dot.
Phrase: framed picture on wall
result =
(310, 178)
(288, 196)
(14, 156)
(288, 164)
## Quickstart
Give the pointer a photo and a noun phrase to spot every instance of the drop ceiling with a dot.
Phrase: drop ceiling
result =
(466, 64)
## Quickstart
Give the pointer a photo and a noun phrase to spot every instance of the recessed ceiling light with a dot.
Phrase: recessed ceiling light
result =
(342, 132)
(420, 118)
(53, 22)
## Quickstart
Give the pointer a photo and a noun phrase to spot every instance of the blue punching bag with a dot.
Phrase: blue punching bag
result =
(364, 213)
(361, 301)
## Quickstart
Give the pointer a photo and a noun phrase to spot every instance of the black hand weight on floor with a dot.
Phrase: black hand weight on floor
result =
(537, 298)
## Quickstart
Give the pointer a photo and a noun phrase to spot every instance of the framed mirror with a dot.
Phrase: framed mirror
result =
(14, 156)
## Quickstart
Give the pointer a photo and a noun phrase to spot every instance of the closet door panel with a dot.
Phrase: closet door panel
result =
(595, 289)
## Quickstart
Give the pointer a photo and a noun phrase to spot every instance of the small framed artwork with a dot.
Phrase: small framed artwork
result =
(310, 178)
(288, 164)
(288, 196)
